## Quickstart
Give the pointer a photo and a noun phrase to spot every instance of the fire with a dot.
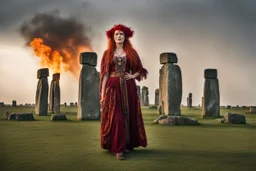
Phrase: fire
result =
(48, 57)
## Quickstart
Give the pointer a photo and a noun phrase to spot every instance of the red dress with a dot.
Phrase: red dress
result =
(122, 124)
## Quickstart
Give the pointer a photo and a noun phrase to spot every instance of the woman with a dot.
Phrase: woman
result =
(122, 126)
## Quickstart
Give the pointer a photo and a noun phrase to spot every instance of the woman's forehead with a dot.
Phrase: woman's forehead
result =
(118, 31)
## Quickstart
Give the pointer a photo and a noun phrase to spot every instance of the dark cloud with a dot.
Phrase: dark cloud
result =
(203, 33)
(64, 35)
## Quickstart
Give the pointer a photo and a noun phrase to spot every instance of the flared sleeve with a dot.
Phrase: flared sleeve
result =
(140, 69)
(104, 68)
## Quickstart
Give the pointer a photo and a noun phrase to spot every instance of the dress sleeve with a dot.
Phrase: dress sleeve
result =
(140, 69)
(104, 67)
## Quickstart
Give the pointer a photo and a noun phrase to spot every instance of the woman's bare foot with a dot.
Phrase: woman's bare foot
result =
(120, 156)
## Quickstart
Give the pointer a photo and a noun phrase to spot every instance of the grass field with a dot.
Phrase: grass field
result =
(72, 145)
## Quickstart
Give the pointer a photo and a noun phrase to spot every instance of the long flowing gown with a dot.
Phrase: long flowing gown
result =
(122, 124)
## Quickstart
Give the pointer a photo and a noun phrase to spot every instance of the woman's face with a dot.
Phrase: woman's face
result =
(119, 36)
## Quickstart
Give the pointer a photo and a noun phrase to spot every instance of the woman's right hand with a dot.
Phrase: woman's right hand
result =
(101, 101)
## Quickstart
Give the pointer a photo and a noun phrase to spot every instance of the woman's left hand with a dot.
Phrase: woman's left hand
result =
(128, 76)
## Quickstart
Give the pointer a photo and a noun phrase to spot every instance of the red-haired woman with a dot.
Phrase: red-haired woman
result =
(122, 126)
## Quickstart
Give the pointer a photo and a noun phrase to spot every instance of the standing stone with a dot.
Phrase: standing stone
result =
(189, 100)
(42, 92)
(211, 100)
(88, 97)
(75, 104)
(138, 92)
(252, 109)
(228, 107)
(157, 97)
(170, 85)
(14, 103)
(54, 98)
(71, 104)
(145, 100)
(65, 104)
(1, 104)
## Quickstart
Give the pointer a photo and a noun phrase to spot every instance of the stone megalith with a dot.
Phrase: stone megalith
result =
(211, 99)
(156, 97)
(88, 97)
(189, 100)
(42, 92)
(252, 109)
(138, 92)
(14, 103)
(54, 99)
(170, 85)
(145, 100)
(1, 104)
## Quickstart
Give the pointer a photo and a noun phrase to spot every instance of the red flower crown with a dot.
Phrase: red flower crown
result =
(127, 31)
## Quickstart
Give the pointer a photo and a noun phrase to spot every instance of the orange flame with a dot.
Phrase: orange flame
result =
(49, 58)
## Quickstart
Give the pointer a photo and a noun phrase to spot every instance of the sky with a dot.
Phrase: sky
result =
(203, 33)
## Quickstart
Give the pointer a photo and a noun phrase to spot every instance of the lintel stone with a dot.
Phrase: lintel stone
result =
(210, 73)
(43, 72)
(168, 57)
(89, 58)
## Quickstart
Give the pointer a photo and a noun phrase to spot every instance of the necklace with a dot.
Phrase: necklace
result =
(119, 55)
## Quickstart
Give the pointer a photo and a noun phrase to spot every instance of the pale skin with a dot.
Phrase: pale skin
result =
(119, 38)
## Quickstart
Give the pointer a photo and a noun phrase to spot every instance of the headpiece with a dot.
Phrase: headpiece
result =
(127, 31)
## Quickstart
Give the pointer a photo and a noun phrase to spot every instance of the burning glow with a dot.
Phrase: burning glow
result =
(48, 57)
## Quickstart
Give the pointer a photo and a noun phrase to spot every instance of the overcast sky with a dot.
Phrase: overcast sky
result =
(204, 34)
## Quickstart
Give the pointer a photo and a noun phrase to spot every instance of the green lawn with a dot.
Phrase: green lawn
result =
(72, 145)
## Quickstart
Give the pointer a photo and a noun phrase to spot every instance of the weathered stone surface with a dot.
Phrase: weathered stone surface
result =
(88, 99)
(14, 103)
(58, 117)
(234, 118)
(42, 73)
(252, 109)
(159, 108)
(170, 89)
(178, 120)
(56, 77)
(41, 107)
(210, 73)
(189, 100)
(145, 100)
(138, 92)
(54, 98)
(153, 107)
(160, 118)
(51, 97)
(168, 58)
(1, 104)
(211, 100)
(6, 115)
(21, 116)
(89, 58)
(156, 96)
(12, 116)
(24, 117)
